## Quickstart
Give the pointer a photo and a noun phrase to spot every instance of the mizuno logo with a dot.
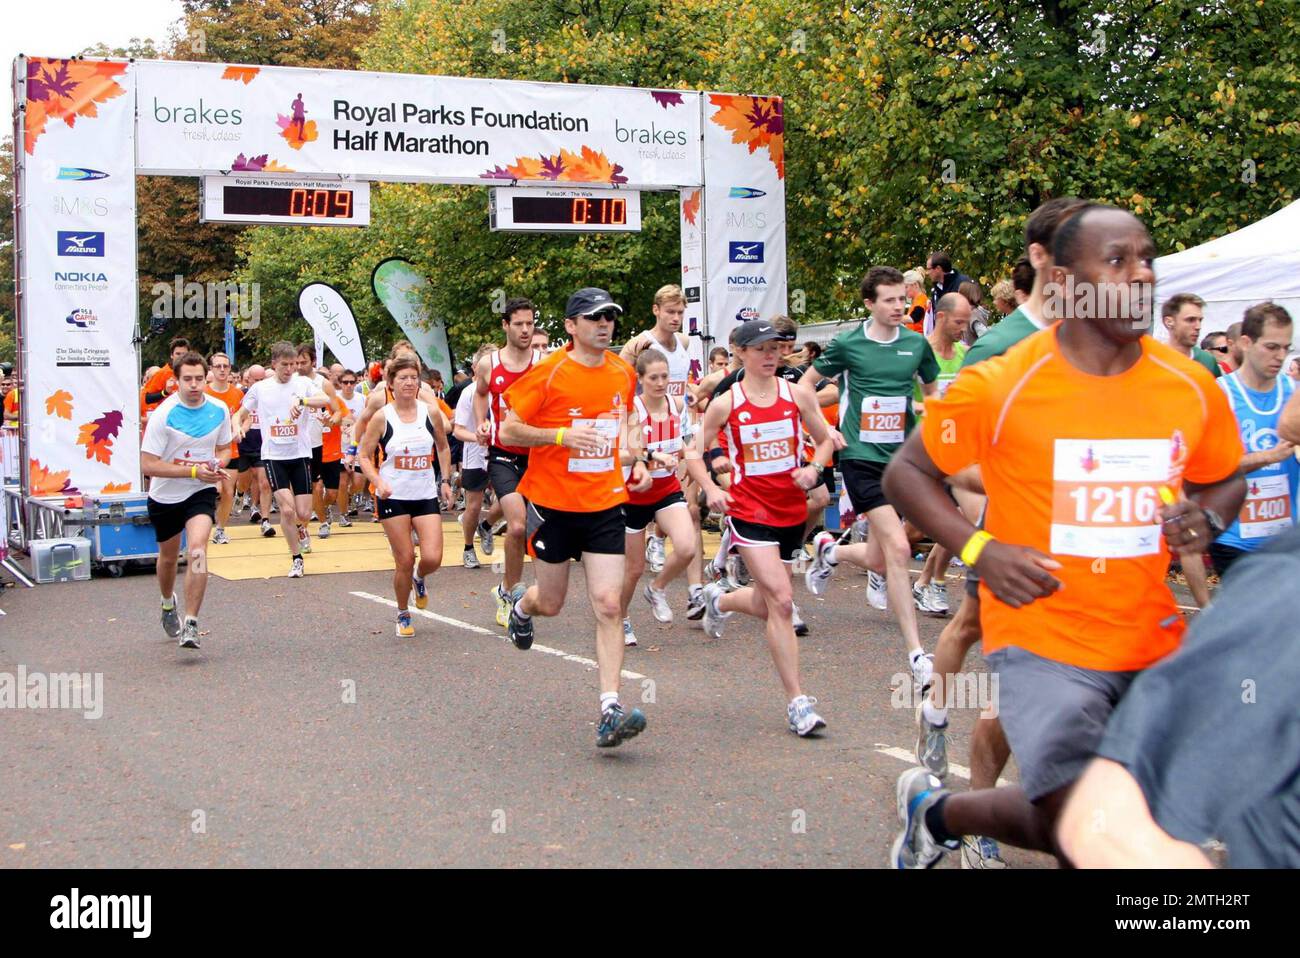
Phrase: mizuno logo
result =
(576, 412)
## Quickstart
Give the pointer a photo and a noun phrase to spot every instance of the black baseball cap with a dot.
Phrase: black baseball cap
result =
(756, 331)
(591, 301)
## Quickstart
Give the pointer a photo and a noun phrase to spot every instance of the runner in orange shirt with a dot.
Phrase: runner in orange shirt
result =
(223, 389)
(571, 412)
(162, 383)
(1087, 491)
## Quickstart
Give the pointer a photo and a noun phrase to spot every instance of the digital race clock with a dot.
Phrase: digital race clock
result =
(553, 209)
(285, 201)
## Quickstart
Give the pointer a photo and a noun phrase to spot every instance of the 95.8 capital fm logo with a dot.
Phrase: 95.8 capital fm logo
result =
(80, 243)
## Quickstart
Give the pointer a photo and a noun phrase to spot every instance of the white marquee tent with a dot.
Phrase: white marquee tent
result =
(1257, 262)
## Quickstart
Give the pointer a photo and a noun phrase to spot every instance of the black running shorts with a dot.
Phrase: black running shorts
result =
(553, 535)
(291, 474)
(505, 470)
(169, 518)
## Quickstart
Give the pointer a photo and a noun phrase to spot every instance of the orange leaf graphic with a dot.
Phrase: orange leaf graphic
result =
(756, 121)
(275, 166)
(691, 206)
(590, 167)
(46, 483)
(59, 404)
(526, 168)
(245, 74)
(115, 487)
(66, 89)
(101, 449)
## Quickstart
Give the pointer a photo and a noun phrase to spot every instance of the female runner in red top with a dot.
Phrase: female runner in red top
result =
(766, 504)
(660, 417)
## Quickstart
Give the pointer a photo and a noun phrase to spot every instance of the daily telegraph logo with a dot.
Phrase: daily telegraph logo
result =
(73, 243)
(80, 173)
(744, 252)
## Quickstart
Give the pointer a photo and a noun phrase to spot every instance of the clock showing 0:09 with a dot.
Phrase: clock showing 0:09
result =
(309, 204)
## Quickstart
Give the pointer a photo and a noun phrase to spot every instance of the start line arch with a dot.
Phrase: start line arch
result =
(84, 129)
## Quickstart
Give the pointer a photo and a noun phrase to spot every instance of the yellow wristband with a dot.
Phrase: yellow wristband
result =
(559, 435)
(194, 472)
(970, 552)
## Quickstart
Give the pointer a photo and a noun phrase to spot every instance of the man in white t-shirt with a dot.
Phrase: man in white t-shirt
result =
(473, 477)
(186, 443)
(281, 402)
(351, 481)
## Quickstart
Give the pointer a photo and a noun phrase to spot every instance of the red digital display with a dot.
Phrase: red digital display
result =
(319, 204)
(577, 211)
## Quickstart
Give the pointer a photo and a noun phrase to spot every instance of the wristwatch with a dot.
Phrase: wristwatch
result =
(1214, 521)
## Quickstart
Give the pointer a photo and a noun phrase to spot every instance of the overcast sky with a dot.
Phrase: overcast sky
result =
(67, 27)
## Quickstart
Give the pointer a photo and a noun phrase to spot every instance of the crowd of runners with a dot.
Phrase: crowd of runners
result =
(1062, 462)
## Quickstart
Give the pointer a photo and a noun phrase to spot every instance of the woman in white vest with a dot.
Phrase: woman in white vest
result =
(407, 433)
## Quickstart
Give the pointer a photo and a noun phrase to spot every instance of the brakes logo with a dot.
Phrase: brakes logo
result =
(746, 281)
(744, 252)
(746, 314)
(82, 319)
(80, 244)
(80, 173)
(745, 193)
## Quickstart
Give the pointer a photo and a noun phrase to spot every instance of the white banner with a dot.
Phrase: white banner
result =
(211, 118)
(335, 327)
(744, 210)
(691, 214)
(77, 246)
(401, 289)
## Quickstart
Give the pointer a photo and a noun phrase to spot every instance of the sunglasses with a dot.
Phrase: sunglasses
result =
(347, 382)
(1218, 349)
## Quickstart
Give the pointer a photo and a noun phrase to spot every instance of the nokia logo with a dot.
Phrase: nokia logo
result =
(76, 277)
(80, 173)
(745, 193)
(744, 252)
(80, 244)
(748, 281)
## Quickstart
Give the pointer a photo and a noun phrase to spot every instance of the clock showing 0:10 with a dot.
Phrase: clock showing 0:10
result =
(561, 210)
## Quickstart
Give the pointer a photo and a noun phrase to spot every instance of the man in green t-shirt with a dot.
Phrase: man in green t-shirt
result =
(876, 364)
(1182, 316)
(951, 320)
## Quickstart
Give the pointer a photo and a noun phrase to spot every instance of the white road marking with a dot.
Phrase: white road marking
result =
(545, 650)
(905, 755)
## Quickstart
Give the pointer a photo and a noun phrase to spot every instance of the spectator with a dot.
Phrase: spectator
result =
(1182, 315)
(920, 303)
(1022, 279)
(1293, 367)
(718, 358)
(1004, 299)
(945, 280)
(1231, 360)
(979, 315)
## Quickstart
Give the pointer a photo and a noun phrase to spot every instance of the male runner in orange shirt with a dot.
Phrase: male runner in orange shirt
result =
(1088, 491)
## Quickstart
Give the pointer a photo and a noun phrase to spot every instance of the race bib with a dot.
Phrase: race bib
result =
(883, 419)
(255, 421)
(1266, 511)
(1106, 496)
(768, 447)
(943, 382)
(602, 460)
(669, 447)
(677, 388)
(284, 433)
(413, 463)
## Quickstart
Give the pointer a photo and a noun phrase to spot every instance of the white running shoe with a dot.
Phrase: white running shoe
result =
(470, 560)
(930, 600)
(304, 540)
(659, 606)
(654, 553)
(219, 537)
(922, 670)
(296, 570)
(803, 720)
(629, 637)
(877, 594)
(818, 575)
(714, 618)
(939, 597)
(324, 531)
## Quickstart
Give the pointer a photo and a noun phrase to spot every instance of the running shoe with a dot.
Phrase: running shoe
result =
(800, 626)
(617, 725)
(877, 595)
(268, 530)
(314, 517)
(404, 627)
(803, 720)
(171, 619)
(304, 540)
(695, 603)
(915, 847)
(818, 575)
(520, 629)
(219, 537)
(654, 553)
(421, 592)
(922, 670)
(503, 605)
(659, 607)
(498, 527)
(344, 521)
(737, 571)
(929, 599)
(931, 745)
(629, 637)
(190, 634)
(296, 570)
(714, 618)
(980, 852)
(485, 537)
(324, 531)
(275, 507)
(255, 518)
(471, 560)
